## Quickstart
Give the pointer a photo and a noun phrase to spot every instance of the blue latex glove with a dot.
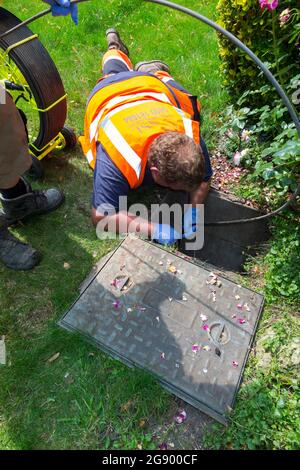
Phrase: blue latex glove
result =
(190, 222)
(165, 234)
(63, 8)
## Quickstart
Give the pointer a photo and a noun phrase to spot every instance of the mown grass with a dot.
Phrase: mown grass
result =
(84, 399)
(267, 413)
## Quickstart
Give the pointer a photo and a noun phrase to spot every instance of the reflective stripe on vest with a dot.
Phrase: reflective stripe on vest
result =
(187, 122)
(126, 139)
(123, 147)
(167, 79)
(120, 99)
(90, 156)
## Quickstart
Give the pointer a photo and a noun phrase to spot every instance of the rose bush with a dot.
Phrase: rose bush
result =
(271, 28)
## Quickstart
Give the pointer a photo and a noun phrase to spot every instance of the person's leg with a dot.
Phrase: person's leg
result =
(30, 202)
(161, 70)
(116, 59)
(152, 66)
(15, 254)
(17, 197)
(14, 155)
(15, 190)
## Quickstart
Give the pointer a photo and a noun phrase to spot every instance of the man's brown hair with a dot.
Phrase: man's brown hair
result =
(178, 159)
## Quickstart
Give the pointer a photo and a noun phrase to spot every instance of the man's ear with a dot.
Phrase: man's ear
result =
(154, 171)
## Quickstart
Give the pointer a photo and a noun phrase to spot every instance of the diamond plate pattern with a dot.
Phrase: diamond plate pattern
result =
(160, 319)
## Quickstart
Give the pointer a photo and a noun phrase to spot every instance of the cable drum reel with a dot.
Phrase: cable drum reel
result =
(292, 200)
(28, 71)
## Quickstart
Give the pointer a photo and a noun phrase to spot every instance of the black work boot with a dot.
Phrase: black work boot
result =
(30, 203)
(15, 254)
(152, 66)
(115, 42)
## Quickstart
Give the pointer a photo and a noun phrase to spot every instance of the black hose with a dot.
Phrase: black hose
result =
(269, 76)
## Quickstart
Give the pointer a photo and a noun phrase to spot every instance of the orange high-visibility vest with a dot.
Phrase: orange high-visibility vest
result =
(125, 117)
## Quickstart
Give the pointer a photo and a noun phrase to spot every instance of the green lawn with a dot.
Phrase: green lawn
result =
(41, 406)
(84, 399)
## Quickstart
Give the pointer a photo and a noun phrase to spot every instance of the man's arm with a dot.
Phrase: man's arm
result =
(109, 213)
(199, 195)
(123, 222)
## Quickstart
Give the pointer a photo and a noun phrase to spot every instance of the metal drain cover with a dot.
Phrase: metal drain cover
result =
(190, 329)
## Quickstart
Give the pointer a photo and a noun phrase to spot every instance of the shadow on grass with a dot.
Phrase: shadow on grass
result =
(79, 399)
(149, 331)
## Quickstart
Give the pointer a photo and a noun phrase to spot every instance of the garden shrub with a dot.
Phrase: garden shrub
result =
(258, 130)
(263, 140)
(283, 275)
(274, 37)
(266, 416)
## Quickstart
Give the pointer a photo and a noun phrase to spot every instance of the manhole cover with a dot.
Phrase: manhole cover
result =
(189, 328)
(219, 333)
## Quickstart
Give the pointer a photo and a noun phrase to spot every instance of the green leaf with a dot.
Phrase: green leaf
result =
(280, 403)
(268, 174)
(291, 148)
(267, 151)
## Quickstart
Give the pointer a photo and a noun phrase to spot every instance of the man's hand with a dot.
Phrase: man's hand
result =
(63, 8)
(123, 222)
(165, 234)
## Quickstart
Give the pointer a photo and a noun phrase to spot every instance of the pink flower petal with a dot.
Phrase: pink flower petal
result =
(116, 283)
(269, 4)
(237, 158)
(180, 417)
(284, 16)
(163, 446)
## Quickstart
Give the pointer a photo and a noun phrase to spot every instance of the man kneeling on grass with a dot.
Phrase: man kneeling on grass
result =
(142, 128)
